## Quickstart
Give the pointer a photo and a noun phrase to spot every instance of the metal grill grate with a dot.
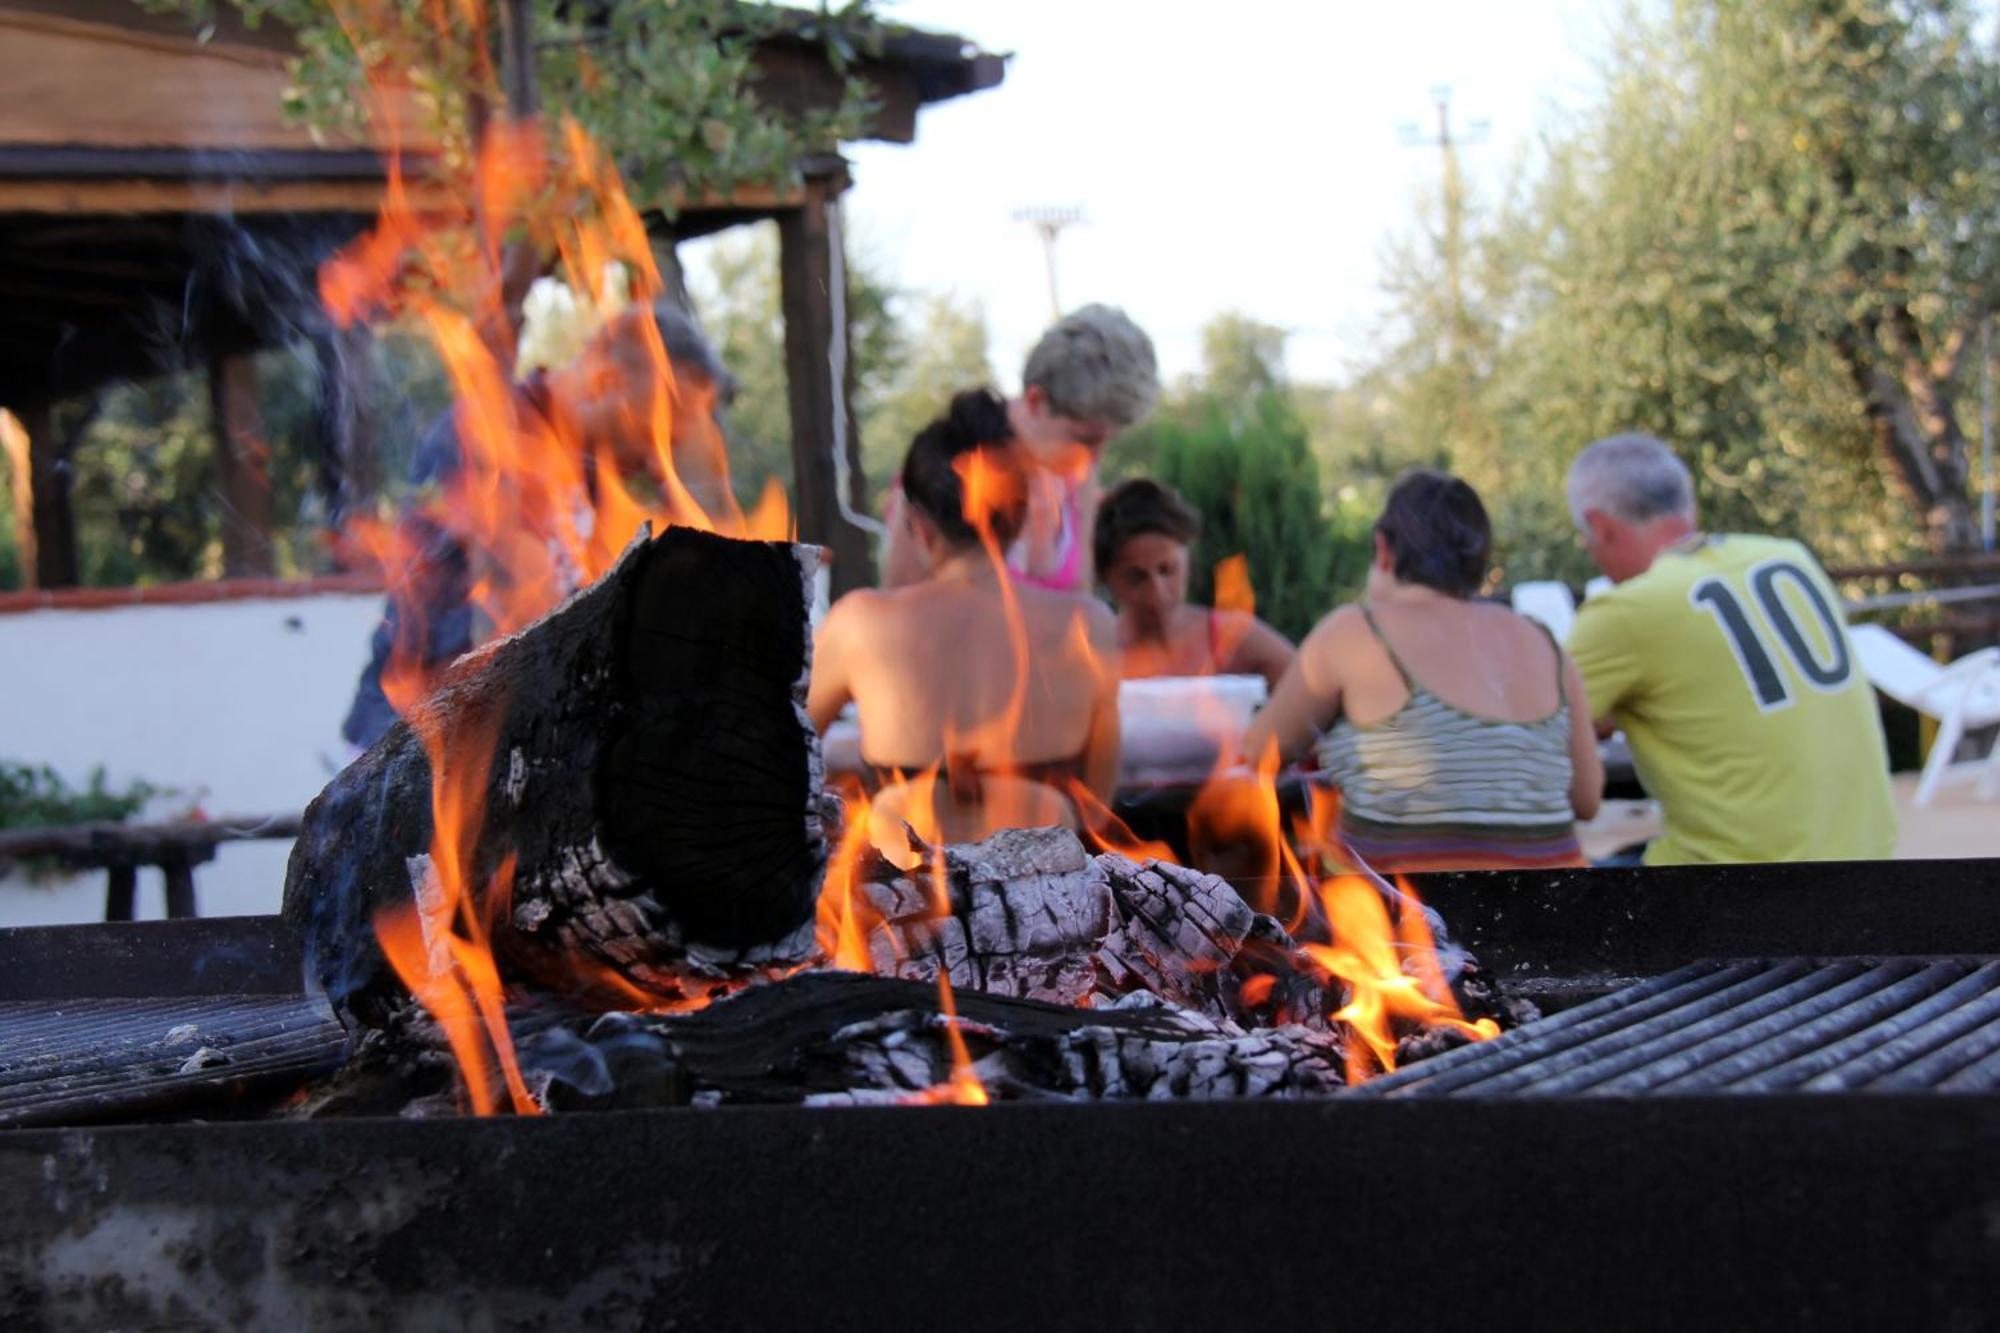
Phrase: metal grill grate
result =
(74, 1061)
(1785, 1025)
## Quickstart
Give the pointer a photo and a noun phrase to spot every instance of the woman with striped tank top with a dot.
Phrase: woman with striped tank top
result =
(1454, 728)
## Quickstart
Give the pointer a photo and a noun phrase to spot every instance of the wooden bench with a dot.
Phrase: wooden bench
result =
(121, 849)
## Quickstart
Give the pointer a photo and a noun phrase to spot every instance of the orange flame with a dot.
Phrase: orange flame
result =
(1232, 585)
(441, 946)
(1368, 955)
(990, 488)
(844, 915)
(964, 1088)
(550, 491)
(1105, 831)
(1388, 964)
(551, 483)
(1236, 828)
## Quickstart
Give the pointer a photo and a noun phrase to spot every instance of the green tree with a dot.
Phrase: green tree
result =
(1771, 241)
(1241, 357)
(945, 349)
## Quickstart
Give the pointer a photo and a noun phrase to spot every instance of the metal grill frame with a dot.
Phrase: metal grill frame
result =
(1768, 1211)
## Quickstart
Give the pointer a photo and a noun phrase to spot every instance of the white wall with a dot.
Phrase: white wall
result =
(238, 704)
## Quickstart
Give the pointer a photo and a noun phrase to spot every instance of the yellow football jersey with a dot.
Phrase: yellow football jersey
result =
(1728, 667)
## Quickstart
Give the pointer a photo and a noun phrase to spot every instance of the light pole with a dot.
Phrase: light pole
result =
(1048, 224)
(1458, 324)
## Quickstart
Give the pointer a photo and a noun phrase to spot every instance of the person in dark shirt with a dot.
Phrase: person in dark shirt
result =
(604, 399)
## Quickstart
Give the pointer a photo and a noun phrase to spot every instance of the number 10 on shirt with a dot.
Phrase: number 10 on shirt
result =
(1828, 671)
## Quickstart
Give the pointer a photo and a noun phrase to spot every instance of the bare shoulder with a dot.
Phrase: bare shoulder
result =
(856, 611)
(1338, 627)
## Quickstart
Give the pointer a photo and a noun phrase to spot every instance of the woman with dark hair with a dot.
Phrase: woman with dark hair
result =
(1144, 530)
(1008, 691)
(1455, 729)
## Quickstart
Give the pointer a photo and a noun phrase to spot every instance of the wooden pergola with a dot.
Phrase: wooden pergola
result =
(156, 211)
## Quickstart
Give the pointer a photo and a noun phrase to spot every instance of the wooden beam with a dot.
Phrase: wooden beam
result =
(76, 196)
(168, 196)
(56, 562)
(806, 292)
(92, 84)
(243, 460)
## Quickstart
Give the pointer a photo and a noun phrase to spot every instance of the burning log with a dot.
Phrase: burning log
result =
(642, 769)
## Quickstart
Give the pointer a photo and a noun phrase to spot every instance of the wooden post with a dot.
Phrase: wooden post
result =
(49, 476)
(244, 462)
(673, 275)
(119, 892)
(805, 265)
(179, 872)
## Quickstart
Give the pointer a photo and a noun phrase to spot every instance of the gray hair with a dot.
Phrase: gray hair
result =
(1096, 365)
(1634, 478)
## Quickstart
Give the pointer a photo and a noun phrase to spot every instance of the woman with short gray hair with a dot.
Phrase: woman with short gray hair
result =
(1092, 376)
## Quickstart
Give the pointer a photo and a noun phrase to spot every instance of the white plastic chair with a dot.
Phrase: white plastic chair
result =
(1550, 603)
(1960, 697)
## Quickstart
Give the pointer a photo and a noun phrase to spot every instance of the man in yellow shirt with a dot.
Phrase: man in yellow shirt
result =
(1726, 662)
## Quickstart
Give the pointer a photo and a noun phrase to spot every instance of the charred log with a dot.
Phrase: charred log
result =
(827, 1037)
(651, 776)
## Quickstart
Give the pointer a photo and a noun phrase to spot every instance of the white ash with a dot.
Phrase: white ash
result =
(205, 1057)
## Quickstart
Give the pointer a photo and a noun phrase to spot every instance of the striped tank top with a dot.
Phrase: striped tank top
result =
(1433, 787)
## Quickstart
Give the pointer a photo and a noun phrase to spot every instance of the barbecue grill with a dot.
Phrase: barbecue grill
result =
(1762, 1095)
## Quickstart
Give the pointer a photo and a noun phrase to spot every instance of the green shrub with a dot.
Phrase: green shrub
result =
(37, 797)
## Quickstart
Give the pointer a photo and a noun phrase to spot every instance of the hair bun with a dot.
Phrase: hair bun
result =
(979, 416)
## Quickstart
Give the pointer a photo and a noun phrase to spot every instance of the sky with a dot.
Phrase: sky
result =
(1249, 156)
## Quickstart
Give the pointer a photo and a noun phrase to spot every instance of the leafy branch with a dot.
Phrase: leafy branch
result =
(667, 89)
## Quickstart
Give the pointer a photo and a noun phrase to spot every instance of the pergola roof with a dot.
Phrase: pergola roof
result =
(153, 198)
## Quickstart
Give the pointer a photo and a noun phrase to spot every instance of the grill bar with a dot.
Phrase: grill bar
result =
(71, 1061)
(1879, 998)
(1889, 1025)
(1748, 1025)
(1609, 1014)
(1882, 1047)
(1981, 1075)
(1949, 1062)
